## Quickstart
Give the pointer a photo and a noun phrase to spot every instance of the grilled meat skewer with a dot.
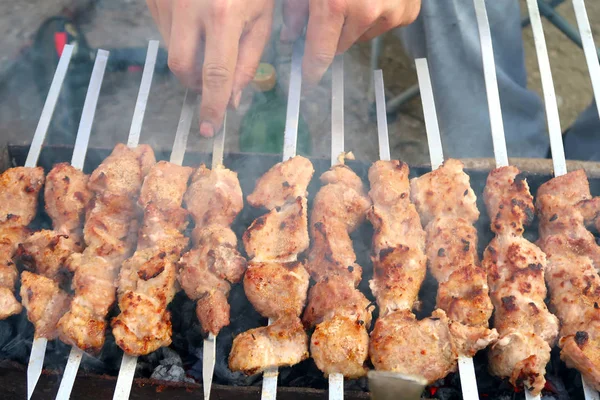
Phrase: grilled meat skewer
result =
(273, 242)
(110, 234)
(515, 270)
(565, 205)
(147, 280)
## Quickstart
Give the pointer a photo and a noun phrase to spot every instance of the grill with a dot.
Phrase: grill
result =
(171, 373)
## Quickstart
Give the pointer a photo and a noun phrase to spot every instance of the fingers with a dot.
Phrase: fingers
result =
(185, 46)
(220, 60)
(161, 13)
(322, 36)
(295, 17)
(250, 52)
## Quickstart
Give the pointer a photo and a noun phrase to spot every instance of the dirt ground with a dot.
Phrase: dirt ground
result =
(127, 23)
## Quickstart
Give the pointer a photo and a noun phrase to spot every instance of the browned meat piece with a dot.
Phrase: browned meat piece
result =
(398, 241)
(146, 287)
(424, 348)
(214, 196)
(67, 197)
(163, 229)
(283, 183)
(123, 171)
(19, 190)
(279, 235)
(45, 303)
(276, 289)
(165, 185)
(508, 201)
(340, 345)
(283, 343)
(10, 238)
(571, 271)
(339, 208)
(207, 271)
(46, 253)
(110, 233)
(445, 192)
(213, 311)
(336, 295)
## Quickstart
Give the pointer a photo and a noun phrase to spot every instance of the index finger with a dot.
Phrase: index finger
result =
(323, 32)
(220, 60)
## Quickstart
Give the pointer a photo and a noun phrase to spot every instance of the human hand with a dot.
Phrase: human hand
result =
(332, 26)
(214, 48)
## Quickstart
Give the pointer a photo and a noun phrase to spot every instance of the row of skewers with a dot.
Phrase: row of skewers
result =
(415, 223)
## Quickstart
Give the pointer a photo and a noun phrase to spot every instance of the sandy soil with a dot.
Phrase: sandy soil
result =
(127, 23)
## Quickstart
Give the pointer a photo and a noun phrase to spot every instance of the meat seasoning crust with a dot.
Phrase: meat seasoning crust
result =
(565, 205)
(275, 282)
(515, 270)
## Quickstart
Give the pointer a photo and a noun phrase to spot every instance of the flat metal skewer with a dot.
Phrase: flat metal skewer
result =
(336, 380)
(129, 362)
(554, 128)
(209, 346)
(38, 347)
(466, 369)
(76, 354)
(269, 384)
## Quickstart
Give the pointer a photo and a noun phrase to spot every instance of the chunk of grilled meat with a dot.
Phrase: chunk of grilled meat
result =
(45, 303)
(398, 256)
(402, 344)
(276, 289)
(279, 235)
(46, 252)
(19, 191)
(214, 199)
(147, 280)
(450, 184)
(282, 183)
(336, 296)
(571, 270)
(283, 343)
(67, 197)
(447, 205)
(516, 277)
(110, 234)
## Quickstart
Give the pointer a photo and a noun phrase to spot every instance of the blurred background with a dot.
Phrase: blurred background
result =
(28, 59)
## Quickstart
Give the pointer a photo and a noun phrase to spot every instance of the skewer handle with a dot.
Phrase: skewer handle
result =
(382, 128)
(219, 145)
(554, 130)
(491, 84)
(89, 110)
(125, 378)
(144, 92)
(293, 106)
(337, 109)
(436, 153)
(183, 128)
(36, 363)
(589, 48)
(208, 363)
(49, 105)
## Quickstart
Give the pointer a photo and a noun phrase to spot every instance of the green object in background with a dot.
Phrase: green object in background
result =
(263, 126)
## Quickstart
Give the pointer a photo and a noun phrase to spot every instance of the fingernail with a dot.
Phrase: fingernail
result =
(206, 129)
(285, 35)
(236, 99)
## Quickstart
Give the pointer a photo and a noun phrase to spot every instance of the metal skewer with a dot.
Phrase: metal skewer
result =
(466, 369)
(129, 362)
(38, 347)
(76, 354)
(336, 380)
(554, 129)
(269, 384)
(209, 345)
